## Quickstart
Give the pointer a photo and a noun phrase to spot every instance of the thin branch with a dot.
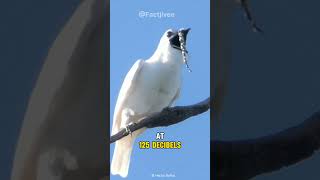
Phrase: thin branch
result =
(248, 14)
(245, 159)
(167, 117)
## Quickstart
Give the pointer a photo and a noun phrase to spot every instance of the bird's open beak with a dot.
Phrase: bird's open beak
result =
(174, 40)
(185, 32)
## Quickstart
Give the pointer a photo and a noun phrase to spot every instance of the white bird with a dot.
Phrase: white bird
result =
(148, 87)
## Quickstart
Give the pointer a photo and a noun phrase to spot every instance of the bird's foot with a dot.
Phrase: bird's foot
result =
(128, 130)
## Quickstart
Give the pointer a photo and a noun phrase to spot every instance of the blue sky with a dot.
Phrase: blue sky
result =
(132, 38)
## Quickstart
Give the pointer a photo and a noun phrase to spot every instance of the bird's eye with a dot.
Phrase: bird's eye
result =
(169, 33)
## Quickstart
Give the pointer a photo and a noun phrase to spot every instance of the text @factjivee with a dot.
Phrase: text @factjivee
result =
(160, 144)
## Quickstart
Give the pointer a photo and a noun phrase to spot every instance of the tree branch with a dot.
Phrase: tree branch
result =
(245, 159)
(248, 14)
(167, 117)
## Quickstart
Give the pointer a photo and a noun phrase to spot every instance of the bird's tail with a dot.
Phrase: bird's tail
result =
(121, 156)
(122, 153)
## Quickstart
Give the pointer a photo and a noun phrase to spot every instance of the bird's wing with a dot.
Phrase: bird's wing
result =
(125, 91)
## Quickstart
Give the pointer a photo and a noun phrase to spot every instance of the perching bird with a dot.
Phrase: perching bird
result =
(149, 87)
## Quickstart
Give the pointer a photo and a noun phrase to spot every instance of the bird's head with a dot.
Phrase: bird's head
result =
(170, 42)
(170, 38)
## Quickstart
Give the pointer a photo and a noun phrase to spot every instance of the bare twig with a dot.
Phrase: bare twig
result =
(248, 14)
(167, 117)
(245, 159)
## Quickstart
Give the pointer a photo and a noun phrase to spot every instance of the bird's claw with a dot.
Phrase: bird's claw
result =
(128, 130)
